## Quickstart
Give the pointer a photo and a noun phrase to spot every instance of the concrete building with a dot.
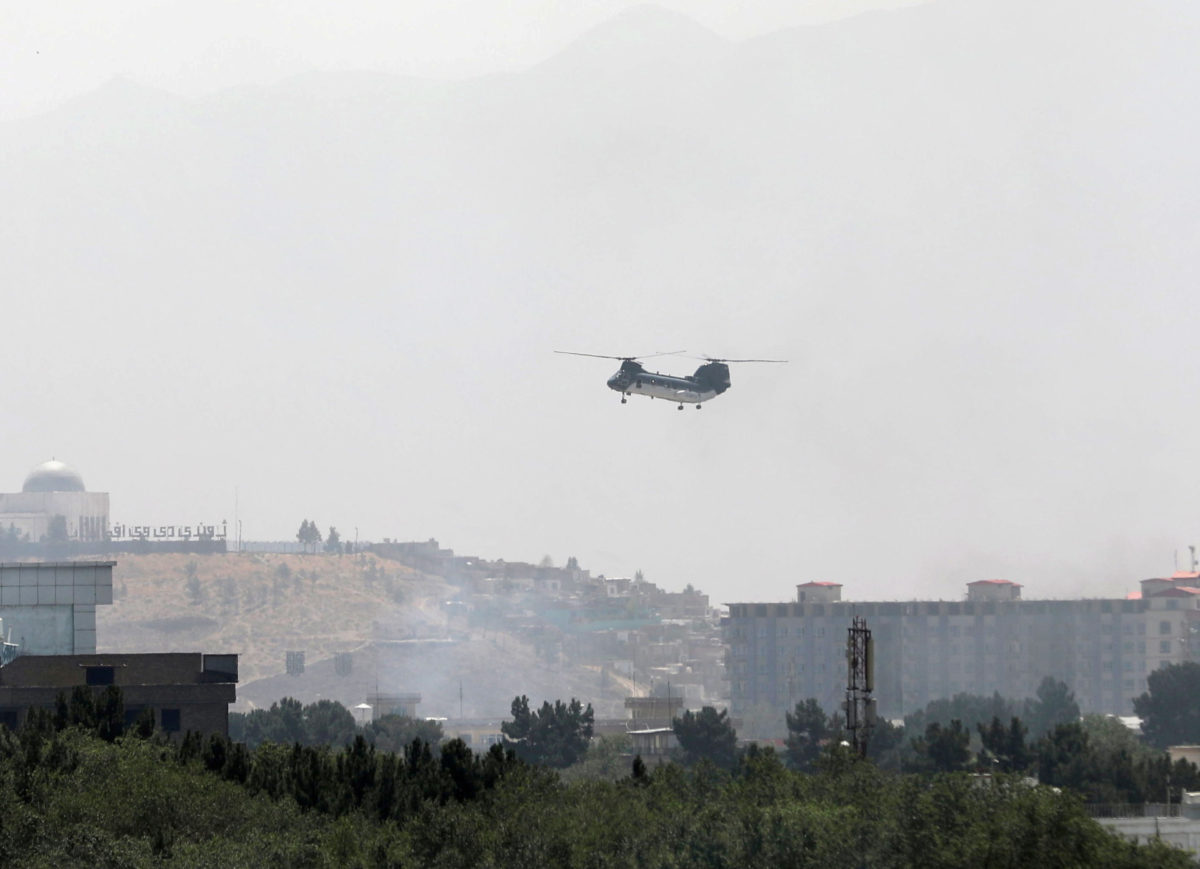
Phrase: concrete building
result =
(54, 505)
(650, 726)
(48, 620)
(1176, 824)
(393, 704)
(187, 691)
(778, 654)
(49, 608)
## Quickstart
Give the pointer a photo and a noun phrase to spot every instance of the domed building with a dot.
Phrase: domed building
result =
(54, 506)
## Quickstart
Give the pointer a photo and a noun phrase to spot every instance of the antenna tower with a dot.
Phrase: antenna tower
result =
(860, 705)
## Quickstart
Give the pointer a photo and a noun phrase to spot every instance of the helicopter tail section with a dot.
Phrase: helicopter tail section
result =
(714, 375)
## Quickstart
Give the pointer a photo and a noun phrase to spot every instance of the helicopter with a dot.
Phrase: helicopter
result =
(710, 380)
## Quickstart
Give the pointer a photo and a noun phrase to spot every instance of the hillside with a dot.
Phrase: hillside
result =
(388, 616)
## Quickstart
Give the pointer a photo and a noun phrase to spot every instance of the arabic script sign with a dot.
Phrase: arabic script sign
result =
(120, 531)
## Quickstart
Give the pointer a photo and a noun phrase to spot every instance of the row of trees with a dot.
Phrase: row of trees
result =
(329, 723)
(70, 797)
(310, 537)
(1095, 756)
(555, 736)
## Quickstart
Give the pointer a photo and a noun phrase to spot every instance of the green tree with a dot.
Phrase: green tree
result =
(1106, 734)
(944, 749)
(283, 723)
(887, 747)
(1054, 705)
(333, 541)
(1064, 759)
(972, 709)
(1004, 748)
(606, 758)
(1170, 708)
(328, 722)
(808, 728)
(394, 732)
(554, 736)
(309, 535)
(707, 734)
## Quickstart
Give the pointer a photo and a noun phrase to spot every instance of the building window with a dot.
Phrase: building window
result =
(100, 675)
(170, 720)
(1164, 627)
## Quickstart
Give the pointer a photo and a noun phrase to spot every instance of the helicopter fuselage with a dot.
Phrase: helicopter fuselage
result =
(710, 379)
(633, 379)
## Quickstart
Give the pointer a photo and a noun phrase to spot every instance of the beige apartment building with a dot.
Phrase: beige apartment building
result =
(778, 654)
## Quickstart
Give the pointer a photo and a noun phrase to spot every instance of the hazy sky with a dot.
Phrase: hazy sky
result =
(970, 224)
(49, 51)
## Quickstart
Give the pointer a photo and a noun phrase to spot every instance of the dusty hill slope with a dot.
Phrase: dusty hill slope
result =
(388, 616)
(262, 605)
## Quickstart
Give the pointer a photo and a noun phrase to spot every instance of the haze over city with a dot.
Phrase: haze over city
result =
(328, 276)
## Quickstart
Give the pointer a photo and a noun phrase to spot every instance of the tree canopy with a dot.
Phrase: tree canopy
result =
(945, 749)
(1170, 708)
(707, 735)
(288, 721)
(309, 535)
(1004, 748)
(69, 797)
(808, 728)
(1054, 705)
(555, 736)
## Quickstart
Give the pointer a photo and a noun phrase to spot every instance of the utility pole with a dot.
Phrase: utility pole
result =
(860, 706)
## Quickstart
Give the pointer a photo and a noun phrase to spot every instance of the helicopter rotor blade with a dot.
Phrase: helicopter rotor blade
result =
(593, 355)
(622, 358)
(720, 359)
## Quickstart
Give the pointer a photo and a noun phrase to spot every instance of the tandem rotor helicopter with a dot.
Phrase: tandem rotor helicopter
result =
(709, 381)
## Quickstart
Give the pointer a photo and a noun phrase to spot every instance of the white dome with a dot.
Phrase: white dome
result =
(53, 476)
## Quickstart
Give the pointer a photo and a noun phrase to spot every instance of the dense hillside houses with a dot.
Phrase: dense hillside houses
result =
(636, 633)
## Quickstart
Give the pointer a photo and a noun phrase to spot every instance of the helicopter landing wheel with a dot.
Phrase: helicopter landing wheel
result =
(697, 407)
(681, 407)
(623, 401)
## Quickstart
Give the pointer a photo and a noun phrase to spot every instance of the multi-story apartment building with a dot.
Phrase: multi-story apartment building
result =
(778, 654)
